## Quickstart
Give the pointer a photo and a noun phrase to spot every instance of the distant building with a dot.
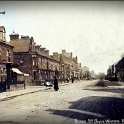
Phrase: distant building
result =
(69, 65)
(118, 69)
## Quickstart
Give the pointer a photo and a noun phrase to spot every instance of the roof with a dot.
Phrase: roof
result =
(67, 60)
(5, 44)
(120, 63)
(2, 29)
(20, 45)
(54, 59)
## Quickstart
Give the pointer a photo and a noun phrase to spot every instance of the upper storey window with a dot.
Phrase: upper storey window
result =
(2, 33)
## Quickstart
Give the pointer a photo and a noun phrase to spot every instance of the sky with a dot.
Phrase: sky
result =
(93, 31)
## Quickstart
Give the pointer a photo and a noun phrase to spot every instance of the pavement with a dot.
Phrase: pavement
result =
(11, 94)
(29, 89)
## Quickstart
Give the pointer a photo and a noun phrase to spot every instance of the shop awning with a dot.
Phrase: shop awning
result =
(16, 70)
(26, 75)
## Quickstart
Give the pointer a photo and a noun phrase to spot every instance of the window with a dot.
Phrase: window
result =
(33, 62)
(8, 55)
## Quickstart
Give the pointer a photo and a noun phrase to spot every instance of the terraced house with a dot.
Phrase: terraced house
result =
(69, 65)
(6, 61)
(33, 59)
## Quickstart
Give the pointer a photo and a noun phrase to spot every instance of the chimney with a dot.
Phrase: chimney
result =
(47, 52)
(14, 36)
(25, 37)
(55, 54)
(71, 54)
(63, 51)
(32, 39)
(76, 58)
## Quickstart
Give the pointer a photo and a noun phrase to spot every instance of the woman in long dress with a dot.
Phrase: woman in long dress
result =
(56, 87)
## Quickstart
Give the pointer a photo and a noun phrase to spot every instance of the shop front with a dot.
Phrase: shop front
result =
(18, 79)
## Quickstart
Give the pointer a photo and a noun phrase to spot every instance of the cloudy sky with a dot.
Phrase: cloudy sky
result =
(94, 31)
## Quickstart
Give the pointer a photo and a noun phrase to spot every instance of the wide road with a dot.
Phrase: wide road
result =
(72, 104)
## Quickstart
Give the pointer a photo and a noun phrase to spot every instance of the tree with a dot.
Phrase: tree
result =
(101, 76)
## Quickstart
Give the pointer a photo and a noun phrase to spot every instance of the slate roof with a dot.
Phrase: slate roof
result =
(5, 44)
(66, 60)
(120, 63)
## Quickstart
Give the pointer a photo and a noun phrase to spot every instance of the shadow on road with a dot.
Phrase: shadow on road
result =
(94, 107)
(113, 90)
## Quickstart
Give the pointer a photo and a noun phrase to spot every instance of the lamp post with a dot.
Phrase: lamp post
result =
(63, 72)
(56, 73)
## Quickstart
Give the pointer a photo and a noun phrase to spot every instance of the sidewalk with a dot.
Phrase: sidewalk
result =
(29, 89)
(12, 94)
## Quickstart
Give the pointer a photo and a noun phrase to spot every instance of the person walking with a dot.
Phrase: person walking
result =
(72, 79)
(56, 87)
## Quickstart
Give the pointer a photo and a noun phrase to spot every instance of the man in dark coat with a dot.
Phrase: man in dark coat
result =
(56, 87)
(72, 79)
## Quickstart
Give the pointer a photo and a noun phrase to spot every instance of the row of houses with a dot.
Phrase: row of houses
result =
(116, 71)
(21, 55)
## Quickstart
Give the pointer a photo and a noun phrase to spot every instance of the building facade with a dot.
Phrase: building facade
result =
(33, 59)
(6, 60)
(69, 66)
(115, 72)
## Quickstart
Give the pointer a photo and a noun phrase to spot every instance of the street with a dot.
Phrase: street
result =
(61, 62)
(73, 103)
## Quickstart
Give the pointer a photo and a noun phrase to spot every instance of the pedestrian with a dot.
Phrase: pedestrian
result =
(67, 80)
(56, 87)
(72, 79)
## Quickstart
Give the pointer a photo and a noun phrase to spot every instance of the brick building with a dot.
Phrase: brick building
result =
(69, 65)
(6, 60)
(33, 59)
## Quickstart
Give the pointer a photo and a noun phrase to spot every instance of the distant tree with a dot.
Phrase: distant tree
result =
(93, 75)
(101, 76)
